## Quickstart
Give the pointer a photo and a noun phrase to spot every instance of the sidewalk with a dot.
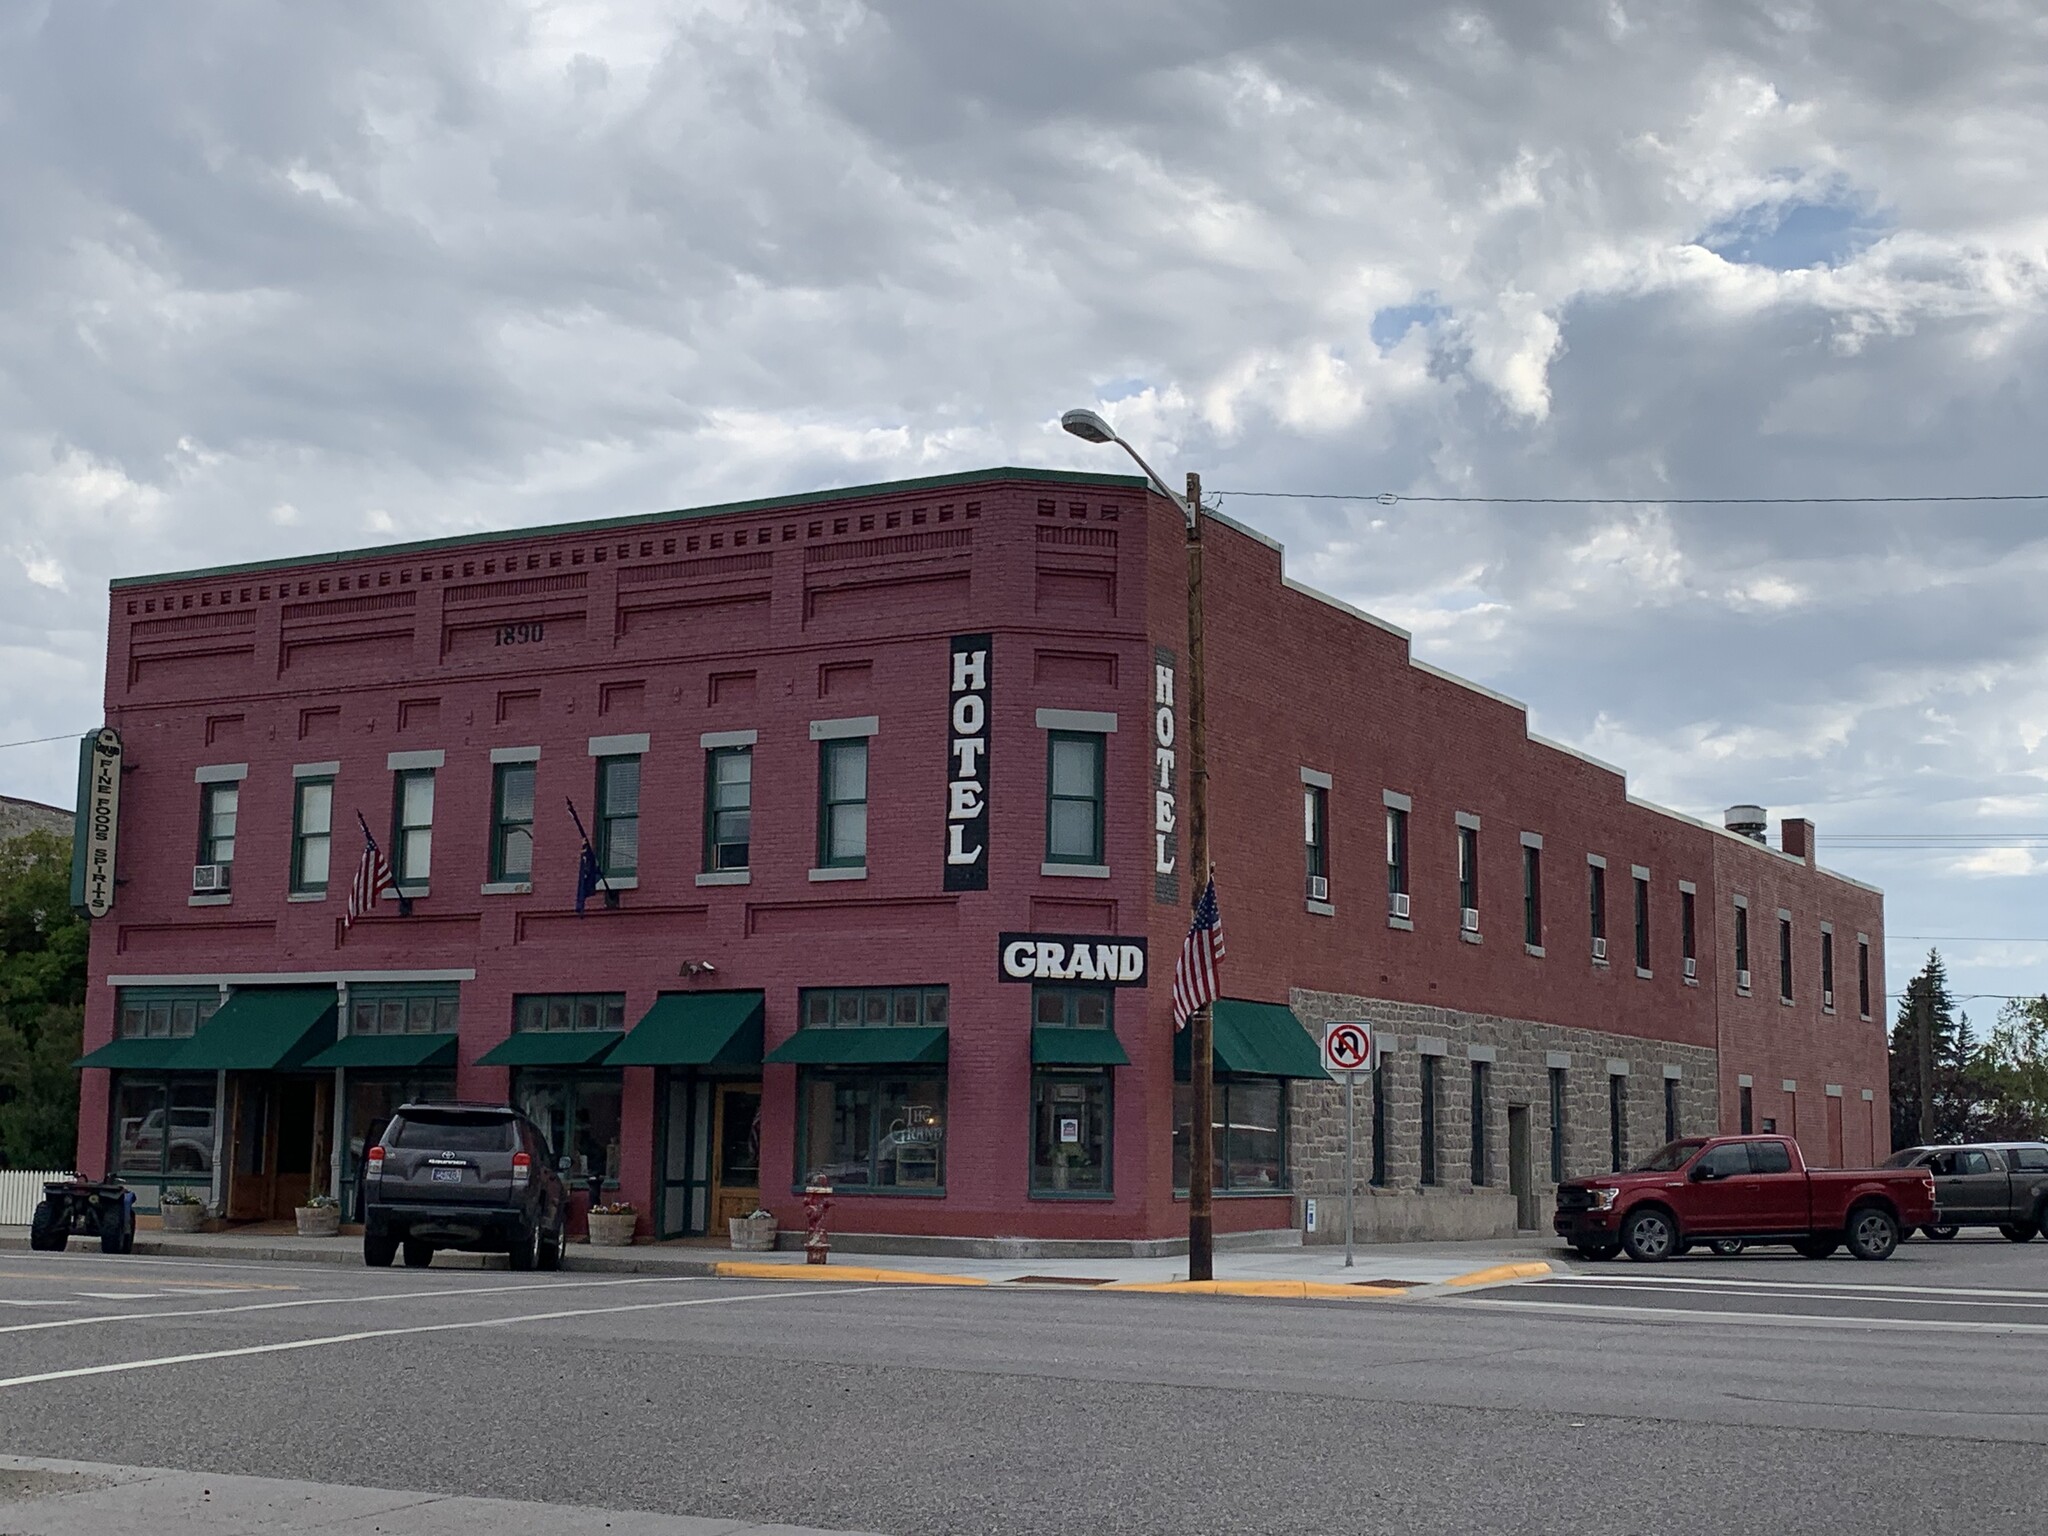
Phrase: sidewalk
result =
(1382, 1268)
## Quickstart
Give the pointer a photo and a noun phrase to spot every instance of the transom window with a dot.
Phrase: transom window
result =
(166, 1013)
(872, 1007)
(401, 1009)
(1073, 1007)
(569, 1010)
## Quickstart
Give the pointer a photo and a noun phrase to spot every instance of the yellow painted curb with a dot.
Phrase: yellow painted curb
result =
(737, 1271)
(1296, 1290)
(1499, 1272)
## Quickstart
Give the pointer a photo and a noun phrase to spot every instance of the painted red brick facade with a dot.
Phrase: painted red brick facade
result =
(774, 617)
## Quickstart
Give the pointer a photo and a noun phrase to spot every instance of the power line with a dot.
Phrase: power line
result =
(39, 740)
(1393, 498)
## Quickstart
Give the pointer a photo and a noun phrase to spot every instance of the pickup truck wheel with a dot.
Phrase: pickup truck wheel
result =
(1816, 1247)
(1872, 1233)
(417, 1255)
(1940, 1234)
(2019, 1231)
(1650, 1236)
(378, 1252)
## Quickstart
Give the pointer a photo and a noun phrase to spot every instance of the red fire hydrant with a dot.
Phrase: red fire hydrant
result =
(817, 1245)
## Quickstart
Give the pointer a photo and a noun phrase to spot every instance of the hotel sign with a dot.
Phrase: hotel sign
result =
(967, 726)
(1101, 958)
(99, 822)
(1165, 805)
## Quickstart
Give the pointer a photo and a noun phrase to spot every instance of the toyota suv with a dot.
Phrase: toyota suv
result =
(474, 1177)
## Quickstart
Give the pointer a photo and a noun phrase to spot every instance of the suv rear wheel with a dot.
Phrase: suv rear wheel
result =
(551, 1245)
(1940, 1234)
(417, 1255)
(2019, 1231)
(378, 1252)
(525, 1253)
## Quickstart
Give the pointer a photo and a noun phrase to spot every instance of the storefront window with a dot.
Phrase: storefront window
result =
(873, 1130)
(872, 1007)
(1250, 1134)
(163, 1127)
(367, 1107)
(579, 1113)
(1070, 1132)
(1072, 1007)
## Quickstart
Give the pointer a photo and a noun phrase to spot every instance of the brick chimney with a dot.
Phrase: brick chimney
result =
(1795, 835)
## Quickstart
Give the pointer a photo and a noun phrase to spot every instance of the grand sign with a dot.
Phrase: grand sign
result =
(1101, 958)
(99, 822)
(967, 725)
(1165, 807)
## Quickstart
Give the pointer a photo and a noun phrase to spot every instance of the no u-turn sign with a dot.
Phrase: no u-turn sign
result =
(1347, 1046)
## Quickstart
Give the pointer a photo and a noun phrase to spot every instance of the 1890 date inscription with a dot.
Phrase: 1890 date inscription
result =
(519, 634)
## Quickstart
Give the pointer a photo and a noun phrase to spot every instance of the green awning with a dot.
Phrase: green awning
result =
(263, 1029)
(551, 1048)
(894, 1046)
(1053, 1046)
(366, 1052)
(695, 1029)
(1257, 1040)
(134, 1055)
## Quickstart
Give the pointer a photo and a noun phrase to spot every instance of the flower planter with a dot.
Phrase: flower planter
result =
(319, 1220)
(182, 1218)
(753, 1234)
(612, 1231)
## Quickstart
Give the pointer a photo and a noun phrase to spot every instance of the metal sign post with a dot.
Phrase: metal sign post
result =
(1347, 1047)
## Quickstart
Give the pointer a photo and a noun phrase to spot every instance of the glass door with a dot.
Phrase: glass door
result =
(736, 1177)
(685, 1158)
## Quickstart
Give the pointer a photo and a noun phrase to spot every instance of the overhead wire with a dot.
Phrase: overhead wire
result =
(1394, 498)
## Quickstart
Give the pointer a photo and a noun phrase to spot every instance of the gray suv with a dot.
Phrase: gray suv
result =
(475, 1177)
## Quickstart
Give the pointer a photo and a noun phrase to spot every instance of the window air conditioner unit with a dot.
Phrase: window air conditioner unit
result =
(1599, 949)
(1742, 980)
(1692, 969)
(1827, 999)
(208, 879)
(1468, 919)
(1318, 887)
(1397, 903)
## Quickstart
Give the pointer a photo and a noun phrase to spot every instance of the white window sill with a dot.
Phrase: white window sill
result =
(1468, 936)
(209, 900)
(1406, 925)
(1599, 965)
(618, 883)
(1075, 871)
(850, 872)
(1692, 981)
(508, 888)
(1829, 1012)
(307, 896)
(726, 877)
(1323, 908)
(1784, 1002)
(413, 892)
(1742, 991)
(1534, 949)
(1644, 973)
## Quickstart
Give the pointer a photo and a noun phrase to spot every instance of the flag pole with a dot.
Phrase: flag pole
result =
(611, 897)
(1201, 1032)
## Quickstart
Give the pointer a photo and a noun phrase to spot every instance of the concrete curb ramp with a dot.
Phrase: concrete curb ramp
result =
(1500, 1274)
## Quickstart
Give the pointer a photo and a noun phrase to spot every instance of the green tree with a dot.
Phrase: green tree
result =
(2011, 1072)
(1955, 1095)
(42, 1002)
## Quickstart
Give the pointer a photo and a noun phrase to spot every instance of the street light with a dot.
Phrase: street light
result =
(1091, 428)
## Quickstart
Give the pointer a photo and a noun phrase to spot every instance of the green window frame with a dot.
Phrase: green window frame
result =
(728, 809)
(312, 836)
(1074, 1007)
(404, 1008)
(162, 1128)
(512, 791)
(1250, 1155)
(872, 1132)
(412, 826)
(1074, 768)
(568, 1010)
(843, 803)
(219, 806)
(872, 1007)
(618, 815)
(164, 1013)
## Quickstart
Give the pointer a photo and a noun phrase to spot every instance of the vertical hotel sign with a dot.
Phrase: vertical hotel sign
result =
(967, 735)
(99, 822)
(1165, 801)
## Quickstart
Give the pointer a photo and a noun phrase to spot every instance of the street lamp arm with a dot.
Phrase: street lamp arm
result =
(1091, 428)
(1158, 484)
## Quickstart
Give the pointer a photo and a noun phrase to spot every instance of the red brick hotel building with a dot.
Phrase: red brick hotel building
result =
(886, 785)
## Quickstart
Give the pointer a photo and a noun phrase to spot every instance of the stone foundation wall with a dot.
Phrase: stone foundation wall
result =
(1518, 1056)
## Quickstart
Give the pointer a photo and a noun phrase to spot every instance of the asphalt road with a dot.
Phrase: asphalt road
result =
(1705, 1395)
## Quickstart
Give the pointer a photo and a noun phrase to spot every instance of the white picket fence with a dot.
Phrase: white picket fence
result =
(20, 1190)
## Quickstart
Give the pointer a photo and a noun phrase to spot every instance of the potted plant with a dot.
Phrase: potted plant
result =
(181, 1211)
(320, 1216)
(611, 1224)
(753, 1232)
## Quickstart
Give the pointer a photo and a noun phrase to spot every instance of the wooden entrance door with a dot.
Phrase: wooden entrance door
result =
(736, 1152)
(280, 1144)
(250, 1173)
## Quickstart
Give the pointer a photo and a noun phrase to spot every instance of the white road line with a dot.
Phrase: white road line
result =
(1623, 1277)
(1928, 1298)
(327, 1301)
(326, 1340)
(1749, 1319)
(122, 1295)
(10, 1301)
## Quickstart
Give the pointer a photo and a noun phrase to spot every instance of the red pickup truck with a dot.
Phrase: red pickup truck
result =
(1707, 1189)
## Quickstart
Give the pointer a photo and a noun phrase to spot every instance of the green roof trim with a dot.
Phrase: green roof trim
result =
(552, 1048)
(891, 1046)
(369, 1052)
(134, 1055)
(1257, 1040)
(696, 1029)
(920, 485)
(1057, 1046)
(263, 1029)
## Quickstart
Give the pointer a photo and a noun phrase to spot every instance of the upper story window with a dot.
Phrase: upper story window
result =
(218, 806)
(1741, 943)
(1827, 968)
(1596, 902)
(1532, 895)
(412, 842)
(1468, 874)
(618, 815)
(1687, 933)
(1863, 977)
(843, 803)
(1784, 957)
(1642, 884)
(512, 822)
(312, 834)
(1073, 798)
(1397, 860)
(728, 808)
(1315, 817)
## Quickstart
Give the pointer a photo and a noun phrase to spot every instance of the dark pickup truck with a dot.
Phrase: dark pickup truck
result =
(1756, 1189)
(2002, 1184)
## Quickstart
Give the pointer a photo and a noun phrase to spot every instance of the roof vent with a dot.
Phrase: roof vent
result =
(1746, 821)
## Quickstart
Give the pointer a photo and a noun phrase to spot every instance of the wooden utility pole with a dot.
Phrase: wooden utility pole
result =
(1923, 1013)
(1201, 1031)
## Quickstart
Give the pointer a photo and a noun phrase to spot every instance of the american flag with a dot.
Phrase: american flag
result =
(1194, 974)
(373, 878)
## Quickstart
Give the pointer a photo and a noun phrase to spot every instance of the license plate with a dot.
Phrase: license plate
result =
(447, 1175)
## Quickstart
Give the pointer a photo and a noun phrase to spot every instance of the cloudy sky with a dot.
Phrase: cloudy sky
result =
(282, 279)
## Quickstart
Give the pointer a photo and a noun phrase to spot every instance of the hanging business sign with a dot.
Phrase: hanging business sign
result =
(1099, 958)
(1165, 805)
(99, 822)
(967, 725)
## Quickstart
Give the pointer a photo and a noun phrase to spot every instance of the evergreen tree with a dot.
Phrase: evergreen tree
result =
(42, 1002)
(1956, 1098)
